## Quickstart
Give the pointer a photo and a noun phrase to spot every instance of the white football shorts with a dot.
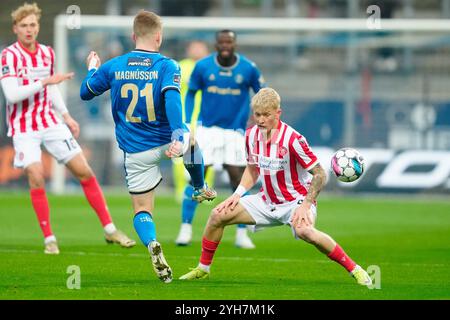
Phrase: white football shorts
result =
(142, 171)
(272, 215)
(221, 146)
(58, 141)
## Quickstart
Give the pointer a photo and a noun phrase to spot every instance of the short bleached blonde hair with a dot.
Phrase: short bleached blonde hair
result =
(266, 98)
(146, 23)
(24, 11)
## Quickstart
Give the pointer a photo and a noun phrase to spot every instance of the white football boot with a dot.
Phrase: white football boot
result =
(185, 235)
(243, 241)
(160, 265)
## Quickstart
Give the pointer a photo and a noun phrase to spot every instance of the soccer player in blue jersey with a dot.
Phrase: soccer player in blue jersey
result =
(146, 107)
(225, 79)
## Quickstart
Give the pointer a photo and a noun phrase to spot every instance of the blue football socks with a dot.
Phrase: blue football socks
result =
(193, 162)
(144, 226)
(189, 206)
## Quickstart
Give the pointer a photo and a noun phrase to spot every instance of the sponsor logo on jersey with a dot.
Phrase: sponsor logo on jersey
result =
(226, 73)
(223, 91)
(5, 70)
(271, 163)
(282, 151)
(138, 61)
(176, 78)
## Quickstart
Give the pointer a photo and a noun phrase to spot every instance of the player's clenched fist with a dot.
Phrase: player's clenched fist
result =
(175, 149)
(93, 60)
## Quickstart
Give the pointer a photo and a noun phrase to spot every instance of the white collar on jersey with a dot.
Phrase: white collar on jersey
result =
(278, 132)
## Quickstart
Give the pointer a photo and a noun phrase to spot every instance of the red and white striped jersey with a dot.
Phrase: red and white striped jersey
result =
(34, 113)
(283, 163)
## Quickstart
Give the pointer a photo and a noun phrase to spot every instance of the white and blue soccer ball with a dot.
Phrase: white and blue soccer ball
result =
(347, 164)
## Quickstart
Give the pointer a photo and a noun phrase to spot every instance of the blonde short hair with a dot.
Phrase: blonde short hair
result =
(24, 11)
(266, 98)
(146, 23)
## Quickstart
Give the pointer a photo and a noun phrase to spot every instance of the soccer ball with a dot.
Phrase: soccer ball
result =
(347, 164)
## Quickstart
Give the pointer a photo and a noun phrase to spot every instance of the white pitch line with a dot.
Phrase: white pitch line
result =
(142, 255)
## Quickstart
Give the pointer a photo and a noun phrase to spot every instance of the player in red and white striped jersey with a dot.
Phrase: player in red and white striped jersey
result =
(291, 177)
(33, 103)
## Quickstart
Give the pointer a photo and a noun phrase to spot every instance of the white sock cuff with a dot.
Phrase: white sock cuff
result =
(204, 267)
(49, 239)
(110, 228)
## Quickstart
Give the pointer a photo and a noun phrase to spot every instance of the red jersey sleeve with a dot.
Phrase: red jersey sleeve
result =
(302, 152)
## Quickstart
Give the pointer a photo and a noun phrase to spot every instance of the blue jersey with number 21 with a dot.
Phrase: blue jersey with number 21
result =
(145, 98)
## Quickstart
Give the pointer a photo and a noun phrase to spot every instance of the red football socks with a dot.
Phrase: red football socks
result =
(208, 250)
(95, 197)
(342, 258)
(40, 205)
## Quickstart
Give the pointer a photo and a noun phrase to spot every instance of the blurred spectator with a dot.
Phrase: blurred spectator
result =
(313, 9)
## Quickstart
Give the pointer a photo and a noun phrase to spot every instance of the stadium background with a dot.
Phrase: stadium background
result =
(377, 90)
(385, 93)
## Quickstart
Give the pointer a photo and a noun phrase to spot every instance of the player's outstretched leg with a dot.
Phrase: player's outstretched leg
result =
(145, 228)
(328, 246)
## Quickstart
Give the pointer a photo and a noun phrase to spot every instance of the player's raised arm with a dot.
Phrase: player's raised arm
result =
(14, 92)
(97, 79)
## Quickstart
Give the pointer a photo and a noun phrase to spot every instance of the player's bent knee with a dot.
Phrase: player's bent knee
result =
(35, 175)
(305, 233)
(218, 219)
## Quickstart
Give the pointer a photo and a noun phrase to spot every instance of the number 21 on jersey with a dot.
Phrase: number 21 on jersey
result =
(146, 93)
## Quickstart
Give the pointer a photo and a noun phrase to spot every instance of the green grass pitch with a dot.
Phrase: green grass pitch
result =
(409, 240)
